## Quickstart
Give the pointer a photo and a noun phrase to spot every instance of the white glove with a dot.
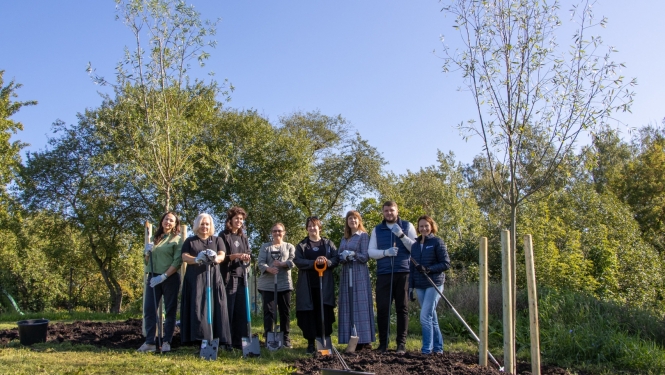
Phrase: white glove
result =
(148, 248)
(346, 254)
(200, 257)
(390, 252)
(157, 280)
(397, 231)
(211, 253)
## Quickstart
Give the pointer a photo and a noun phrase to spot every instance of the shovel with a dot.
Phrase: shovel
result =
(353, 339)
(250, 347)
(275, 339)
(210, 347)
(323, 344)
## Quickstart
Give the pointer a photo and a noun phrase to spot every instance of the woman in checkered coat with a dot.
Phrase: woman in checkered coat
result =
(353, 254)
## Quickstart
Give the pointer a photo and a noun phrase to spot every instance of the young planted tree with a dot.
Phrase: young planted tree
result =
(158, 115)
(533, 97)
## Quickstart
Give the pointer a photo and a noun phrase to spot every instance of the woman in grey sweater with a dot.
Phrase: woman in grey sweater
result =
(276, 258)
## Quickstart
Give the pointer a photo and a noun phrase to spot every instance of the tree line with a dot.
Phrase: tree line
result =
(72, 213)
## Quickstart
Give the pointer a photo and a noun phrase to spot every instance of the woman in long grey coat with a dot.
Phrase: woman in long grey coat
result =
(353, 254)
(315, 249)
(276, 258)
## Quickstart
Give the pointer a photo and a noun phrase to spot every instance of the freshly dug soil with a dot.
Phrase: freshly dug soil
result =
(410, 363)
(113, 335)
(127, 335)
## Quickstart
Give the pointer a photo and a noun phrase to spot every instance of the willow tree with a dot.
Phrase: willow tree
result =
(156, 115)
(533, 96)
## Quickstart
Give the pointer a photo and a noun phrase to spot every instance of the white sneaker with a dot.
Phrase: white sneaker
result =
(146, 348)
(166, 347)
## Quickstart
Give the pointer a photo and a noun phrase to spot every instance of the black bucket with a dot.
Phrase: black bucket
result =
(32, 331)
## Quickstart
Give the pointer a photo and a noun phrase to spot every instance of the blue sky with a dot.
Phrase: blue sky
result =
(370, 61)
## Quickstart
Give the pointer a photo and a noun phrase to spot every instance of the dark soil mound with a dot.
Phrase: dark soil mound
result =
(410, 363)
(113, 335)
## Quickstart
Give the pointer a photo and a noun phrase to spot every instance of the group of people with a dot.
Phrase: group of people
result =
(410, 265)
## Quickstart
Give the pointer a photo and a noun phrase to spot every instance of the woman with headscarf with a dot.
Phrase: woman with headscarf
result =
(319, 250)
(353, 255)
(234, 272)
(163, 280)
(198, 252)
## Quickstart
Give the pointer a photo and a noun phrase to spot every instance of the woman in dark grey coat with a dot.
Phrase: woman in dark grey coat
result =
(313, 249)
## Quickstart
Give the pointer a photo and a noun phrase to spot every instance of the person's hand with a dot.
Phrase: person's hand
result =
(148, 248)
(277, 263)
(321, 260)
(412, 294)
(200, 257)
(210, 253)
(157, 280)
(422, 269)
(390, 252)
(347, 254)
(272, 270)
(397, 231)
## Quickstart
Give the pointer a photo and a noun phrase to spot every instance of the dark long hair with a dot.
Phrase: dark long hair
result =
(160, 231)
(230, 214)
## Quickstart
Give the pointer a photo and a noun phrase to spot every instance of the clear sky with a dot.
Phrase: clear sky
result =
(371, 61)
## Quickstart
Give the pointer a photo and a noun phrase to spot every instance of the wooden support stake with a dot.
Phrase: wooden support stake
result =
(147, 237)
(483, 345)
(183, 266)
(507, 282)
(533, 305)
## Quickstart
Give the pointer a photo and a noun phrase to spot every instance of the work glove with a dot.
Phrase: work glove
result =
(201, 257)
(211, 253)
(157, 280)
(347, 254)
(412, 294)
(148, 248)
(422, 269)
(397, 231)
(390, 252)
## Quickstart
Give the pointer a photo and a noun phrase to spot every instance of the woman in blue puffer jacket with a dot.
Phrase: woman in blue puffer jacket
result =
(432, 259)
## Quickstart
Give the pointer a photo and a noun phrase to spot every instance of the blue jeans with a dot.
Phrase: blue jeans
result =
(432, 338)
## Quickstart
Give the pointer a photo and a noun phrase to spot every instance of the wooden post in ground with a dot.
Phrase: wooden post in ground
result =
(183, 266)
(147, 237)
(482, 301)
(507, 283)
(533, 305)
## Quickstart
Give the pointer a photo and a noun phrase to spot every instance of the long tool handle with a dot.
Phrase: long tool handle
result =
(209, 300)
(275, 309)
(249, 315)
(457, 315)
(323, 315)
(352, 321)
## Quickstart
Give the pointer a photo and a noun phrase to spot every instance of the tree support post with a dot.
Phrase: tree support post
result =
(482, 300)
(147, 236)
(533, 305)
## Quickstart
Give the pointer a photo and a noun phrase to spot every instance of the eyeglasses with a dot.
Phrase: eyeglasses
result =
(277, 231)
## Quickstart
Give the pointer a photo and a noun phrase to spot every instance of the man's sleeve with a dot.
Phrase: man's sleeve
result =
(374, 253)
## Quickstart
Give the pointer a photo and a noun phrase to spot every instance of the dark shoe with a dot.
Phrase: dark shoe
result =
(311, 349)
(362, 347)
(287, 343)
(401, 349)
(382, 348)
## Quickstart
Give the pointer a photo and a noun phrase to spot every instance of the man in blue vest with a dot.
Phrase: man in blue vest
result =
(390, 244)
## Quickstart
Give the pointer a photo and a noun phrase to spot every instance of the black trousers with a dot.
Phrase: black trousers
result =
(309, 321)
(237, 307)
(284, 307)
(169, 290)
(384, 300)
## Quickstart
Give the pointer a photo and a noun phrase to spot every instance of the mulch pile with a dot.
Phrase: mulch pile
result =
(127, 335)
(112, 335)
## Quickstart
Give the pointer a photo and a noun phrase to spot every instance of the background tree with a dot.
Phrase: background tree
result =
(74, 179)
(157, 117)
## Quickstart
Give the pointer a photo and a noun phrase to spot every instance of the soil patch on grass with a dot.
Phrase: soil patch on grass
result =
(112, 335)
(390, 363)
